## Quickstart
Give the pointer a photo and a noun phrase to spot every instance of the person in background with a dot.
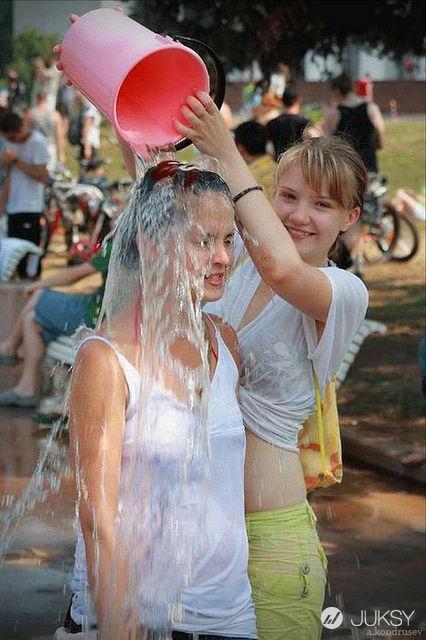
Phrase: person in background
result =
(289, 127)
(47, 315)
(360, 123)
(66, 103)
(25, 161)
(48, 121)
(268, 109)
(3, 144)
(90, 141)
(15, 91)
(251, 138)
(46, 80)
(408, 202)
(357, 120)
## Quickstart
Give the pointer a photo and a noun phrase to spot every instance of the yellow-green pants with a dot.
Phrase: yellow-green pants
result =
(287, 571)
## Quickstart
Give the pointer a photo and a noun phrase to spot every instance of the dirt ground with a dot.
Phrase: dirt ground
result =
(383, 389)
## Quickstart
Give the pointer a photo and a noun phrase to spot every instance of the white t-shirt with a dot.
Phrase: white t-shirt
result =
(26, 195)
(277, 390)
(94, 137)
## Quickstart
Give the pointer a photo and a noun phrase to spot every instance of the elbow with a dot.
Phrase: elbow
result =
(277, 275)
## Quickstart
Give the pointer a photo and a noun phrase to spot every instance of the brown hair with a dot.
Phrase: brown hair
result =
(329, 163)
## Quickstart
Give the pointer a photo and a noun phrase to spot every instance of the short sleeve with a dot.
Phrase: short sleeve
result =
(347, 311)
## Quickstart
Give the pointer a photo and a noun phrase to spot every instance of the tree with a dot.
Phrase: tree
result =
(274, 31)
(5, 32)
(27, 45)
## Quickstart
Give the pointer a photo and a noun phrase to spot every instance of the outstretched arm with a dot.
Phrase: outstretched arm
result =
(267, 240)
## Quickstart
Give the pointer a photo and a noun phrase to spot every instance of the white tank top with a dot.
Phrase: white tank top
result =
(218, 601)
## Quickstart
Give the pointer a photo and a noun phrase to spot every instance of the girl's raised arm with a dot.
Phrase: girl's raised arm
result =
(266, 238)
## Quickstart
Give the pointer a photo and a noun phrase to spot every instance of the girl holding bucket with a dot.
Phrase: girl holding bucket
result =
(161, 498)
(292, 310)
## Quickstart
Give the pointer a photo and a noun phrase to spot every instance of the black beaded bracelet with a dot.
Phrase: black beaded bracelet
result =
(243, 193)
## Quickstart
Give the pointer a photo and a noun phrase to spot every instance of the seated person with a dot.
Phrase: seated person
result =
(47, 315)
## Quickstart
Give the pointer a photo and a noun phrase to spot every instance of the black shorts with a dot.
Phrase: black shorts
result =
(26, 226)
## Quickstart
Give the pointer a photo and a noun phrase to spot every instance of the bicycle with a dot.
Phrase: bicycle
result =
(407, 240)
(386, 233)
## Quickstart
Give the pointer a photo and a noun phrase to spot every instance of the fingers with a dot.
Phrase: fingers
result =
(206, 101)
(186, 131)
(73, 17)
(57, 50)
(192, 116)
(196, 106)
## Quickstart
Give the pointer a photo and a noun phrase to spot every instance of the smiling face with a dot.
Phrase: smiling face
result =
(210, 252)
(312, 219)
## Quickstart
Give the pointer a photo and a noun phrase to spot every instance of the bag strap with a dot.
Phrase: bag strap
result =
(320, 424)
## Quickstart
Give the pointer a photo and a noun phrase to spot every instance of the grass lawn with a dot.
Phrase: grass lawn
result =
(402, 161)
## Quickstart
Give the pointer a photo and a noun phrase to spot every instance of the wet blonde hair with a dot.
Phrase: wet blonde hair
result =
(328, 163)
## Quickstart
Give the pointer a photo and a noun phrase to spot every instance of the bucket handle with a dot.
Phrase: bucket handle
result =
(219, 96)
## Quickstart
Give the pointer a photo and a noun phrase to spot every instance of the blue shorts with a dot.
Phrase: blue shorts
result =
(60, 314)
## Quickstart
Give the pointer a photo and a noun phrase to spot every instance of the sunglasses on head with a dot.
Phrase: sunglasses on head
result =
(170, 168)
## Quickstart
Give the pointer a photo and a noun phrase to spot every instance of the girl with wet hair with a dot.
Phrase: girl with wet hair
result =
(155, 428)
(295, 313)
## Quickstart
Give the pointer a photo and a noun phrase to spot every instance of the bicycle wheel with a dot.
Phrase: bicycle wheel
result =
(407, 243)
(380, 239)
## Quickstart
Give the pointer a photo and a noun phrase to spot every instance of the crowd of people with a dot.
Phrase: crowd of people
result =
(247, 265)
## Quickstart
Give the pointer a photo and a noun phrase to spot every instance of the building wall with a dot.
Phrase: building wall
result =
(357, 62)
(409, 95)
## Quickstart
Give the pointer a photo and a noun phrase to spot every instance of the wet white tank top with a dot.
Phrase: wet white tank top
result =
(218, 600)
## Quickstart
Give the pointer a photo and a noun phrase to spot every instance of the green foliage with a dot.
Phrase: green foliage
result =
(27, 45)
(271, 31)
(5, 33)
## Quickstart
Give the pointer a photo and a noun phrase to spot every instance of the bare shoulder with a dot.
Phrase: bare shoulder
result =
(229, 337)
(96, 353)
(97, 367)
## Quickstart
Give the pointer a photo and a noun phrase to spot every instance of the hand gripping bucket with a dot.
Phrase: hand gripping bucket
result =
(138, 79)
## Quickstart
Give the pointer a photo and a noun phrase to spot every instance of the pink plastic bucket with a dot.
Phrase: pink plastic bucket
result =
(138, 79)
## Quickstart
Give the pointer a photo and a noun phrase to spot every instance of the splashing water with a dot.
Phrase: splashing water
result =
(160, 532)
